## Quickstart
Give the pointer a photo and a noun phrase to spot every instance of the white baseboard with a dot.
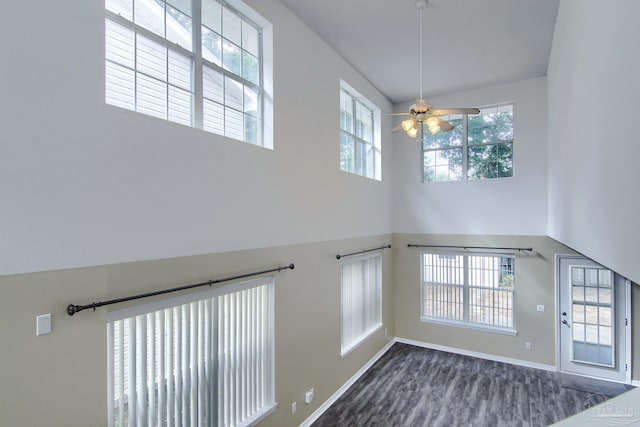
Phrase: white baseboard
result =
(635, 383)
(335, 396)
(486, 356)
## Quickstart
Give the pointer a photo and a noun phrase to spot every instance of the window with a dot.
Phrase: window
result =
(593, 316)
(479, 147)
(471, 289)
(199, 359)
(194, 62)
(359, 134)
(361, 299)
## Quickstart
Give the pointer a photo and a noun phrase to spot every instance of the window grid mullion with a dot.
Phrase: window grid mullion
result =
(465, 147)
(375, 166)
(355, 132)
(135, 66)
(166, 62)
(197, 70)
(261, 91)
(465, 290)
(422, 160)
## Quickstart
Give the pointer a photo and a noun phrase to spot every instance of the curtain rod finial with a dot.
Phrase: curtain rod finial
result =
(72, 309)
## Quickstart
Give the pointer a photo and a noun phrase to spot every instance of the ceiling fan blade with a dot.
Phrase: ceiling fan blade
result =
(397, 114)
(444, 125)
(445, 111)
(397, 128)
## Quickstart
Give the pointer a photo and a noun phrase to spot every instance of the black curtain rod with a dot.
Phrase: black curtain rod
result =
(73, 309)
(363, 252)
(470, 247)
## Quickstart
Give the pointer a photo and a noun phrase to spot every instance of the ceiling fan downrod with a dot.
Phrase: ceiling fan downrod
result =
(421, 4)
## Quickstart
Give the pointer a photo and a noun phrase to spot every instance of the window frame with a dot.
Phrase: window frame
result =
(263, 88)
(234, 289)
(367, 170)
(465, 147)
(466, 287)
(346, 348)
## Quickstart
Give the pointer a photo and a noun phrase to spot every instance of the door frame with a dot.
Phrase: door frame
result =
(627, 308)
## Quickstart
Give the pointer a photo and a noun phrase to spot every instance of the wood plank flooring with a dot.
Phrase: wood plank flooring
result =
(414, 386)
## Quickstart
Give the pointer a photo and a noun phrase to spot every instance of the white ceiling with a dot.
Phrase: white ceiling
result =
(467, 43)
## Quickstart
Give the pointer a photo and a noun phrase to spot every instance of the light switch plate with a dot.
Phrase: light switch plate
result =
(540, 308)
(43, 324)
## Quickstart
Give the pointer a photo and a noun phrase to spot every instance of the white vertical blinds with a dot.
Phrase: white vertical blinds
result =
(361, 299)
(207, 362)
(469, 288)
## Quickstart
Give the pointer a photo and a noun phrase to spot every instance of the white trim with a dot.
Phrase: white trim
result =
(260, 415)
(360, 340)
(486, 356)
(474, 326)
(575, 374)
(628, 336)
(556, 311)
(335, 396)
(635, 383)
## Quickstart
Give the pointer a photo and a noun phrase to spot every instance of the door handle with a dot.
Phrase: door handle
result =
(564, 322)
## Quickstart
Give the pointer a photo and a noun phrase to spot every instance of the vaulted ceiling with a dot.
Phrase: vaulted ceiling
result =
(467, 43)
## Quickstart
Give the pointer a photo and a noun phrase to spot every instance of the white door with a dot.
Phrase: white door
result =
(592, 319)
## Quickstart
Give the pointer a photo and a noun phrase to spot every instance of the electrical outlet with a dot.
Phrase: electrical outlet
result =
(293, 408)
(540, 308)
(527, 345)
(386, 332)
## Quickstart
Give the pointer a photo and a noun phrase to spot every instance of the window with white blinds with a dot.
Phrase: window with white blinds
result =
(194, 62)
(470, 289)
(200, 360)
(361, 299)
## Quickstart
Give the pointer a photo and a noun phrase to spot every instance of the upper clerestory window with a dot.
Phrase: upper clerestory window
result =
(200, 63)
(360, 142)
(479, 147)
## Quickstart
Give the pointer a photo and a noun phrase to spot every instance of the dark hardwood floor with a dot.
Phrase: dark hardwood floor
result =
(414, 386)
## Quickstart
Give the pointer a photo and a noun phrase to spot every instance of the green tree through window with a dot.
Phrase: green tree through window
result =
(479, 147)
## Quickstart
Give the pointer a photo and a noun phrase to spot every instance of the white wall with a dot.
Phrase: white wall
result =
(515, 206)
(83, 183)
(594, 148)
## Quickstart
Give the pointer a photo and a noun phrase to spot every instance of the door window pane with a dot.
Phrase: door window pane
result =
(577, 276)
(592, 316)
(604, 296)
(578, 293)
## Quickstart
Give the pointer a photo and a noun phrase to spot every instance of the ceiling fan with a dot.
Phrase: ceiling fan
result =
(421, 113)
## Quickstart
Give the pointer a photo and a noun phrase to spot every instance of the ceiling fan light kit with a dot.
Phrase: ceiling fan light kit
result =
(422, 114)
